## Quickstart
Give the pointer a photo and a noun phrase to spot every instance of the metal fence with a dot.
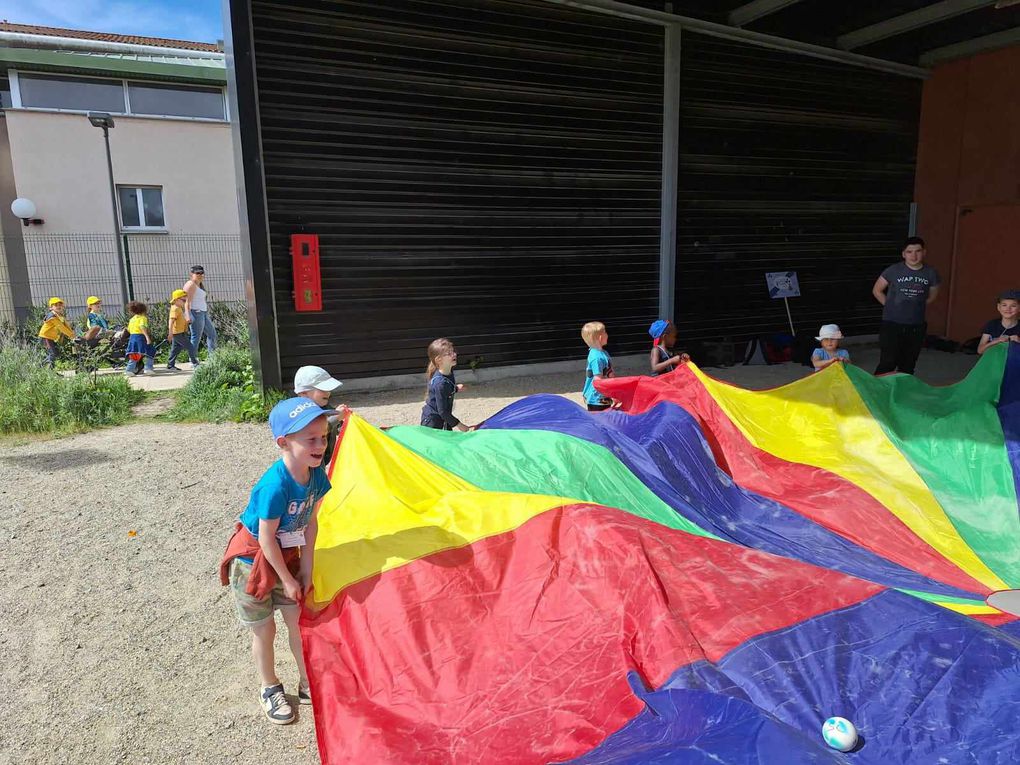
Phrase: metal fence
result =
(75, 266)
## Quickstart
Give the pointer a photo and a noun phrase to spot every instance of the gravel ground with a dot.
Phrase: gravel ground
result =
(119, 644)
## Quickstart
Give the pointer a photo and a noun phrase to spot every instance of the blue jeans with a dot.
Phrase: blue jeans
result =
(201, 323)
(181, 342)
(52, 350)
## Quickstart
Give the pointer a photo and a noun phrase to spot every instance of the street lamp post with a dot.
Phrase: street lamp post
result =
(105, 122)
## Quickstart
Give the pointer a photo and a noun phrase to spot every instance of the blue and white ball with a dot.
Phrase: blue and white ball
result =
(839, 733)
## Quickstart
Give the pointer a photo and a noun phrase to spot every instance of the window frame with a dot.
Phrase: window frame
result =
(14, 75)
(142, 229)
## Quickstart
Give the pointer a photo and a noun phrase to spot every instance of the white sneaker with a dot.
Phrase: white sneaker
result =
(275, 705)
(149, 372)
(304, 693)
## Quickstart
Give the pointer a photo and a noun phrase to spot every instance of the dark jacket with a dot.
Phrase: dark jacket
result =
(438, 410)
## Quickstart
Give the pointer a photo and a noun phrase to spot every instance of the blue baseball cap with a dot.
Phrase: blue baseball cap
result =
(292, 414)
(658, 327)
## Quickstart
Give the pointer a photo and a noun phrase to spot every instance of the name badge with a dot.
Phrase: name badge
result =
(291, 538)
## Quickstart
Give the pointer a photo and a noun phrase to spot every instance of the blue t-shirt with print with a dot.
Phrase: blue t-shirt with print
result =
(600, 364)
(823, 355)
(97, 320)
(278, 495)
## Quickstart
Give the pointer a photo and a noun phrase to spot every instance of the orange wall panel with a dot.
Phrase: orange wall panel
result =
(968, 156)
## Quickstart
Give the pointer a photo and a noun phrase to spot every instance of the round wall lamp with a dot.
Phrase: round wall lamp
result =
(25, 209)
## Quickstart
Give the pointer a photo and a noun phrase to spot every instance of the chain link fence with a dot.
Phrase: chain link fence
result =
(76, 266)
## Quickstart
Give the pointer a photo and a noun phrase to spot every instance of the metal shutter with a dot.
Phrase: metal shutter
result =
(485, 170)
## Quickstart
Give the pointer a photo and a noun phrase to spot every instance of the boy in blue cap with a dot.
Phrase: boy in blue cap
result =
(268, 562)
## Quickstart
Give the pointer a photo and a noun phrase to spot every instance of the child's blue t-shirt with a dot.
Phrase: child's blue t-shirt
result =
(97, 320)
(599, 363)
(278, 495)
(823, 355)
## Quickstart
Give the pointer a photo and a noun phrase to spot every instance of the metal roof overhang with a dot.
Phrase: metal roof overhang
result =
(904, 37)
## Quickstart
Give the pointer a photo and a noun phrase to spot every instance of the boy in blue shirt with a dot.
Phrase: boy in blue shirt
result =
(268, 562)
(599, 365)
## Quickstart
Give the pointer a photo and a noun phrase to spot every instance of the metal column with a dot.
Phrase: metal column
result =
(670, 168)
(251, 184)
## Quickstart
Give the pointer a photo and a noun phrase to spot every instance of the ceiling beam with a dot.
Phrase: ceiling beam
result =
(1002, 39)
(726, 32)
(922, 17)
(755, 10)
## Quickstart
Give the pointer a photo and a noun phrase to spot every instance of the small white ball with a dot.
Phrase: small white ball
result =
(839, 733)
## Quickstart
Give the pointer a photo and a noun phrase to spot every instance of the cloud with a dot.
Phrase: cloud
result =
(180, 19)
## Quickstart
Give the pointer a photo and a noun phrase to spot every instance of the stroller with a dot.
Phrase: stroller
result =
(107, 348)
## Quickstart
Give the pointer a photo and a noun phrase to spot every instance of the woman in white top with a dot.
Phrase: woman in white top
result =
(196, 311)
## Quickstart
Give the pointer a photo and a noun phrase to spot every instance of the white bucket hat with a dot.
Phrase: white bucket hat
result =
(829, 332)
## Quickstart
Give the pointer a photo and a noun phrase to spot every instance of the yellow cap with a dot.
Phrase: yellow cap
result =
(178, 294)
(55, 301)
(92, 300)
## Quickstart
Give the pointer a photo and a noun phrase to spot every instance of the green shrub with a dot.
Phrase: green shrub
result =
(224, 389)
(35, 399)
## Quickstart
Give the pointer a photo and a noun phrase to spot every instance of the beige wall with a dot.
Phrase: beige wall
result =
(60, 164)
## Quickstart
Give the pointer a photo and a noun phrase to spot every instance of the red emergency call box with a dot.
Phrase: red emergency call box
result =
(304, 252)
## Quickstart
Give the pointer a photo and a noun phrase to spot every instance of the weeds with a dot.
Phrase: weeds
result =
(35, 399)
(223, 389)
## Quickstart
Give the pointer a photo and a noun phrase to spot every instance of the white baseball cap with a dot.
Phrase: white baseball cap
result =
(317, 378)
(829, 332)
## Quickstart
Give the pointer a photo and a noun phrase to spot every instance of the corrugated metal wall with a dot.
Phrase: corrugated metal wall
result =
(787, 162)
(487, 170)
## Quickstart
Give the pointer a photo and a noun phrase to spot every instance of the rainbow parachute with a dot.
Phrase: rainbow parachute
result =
(703, 577)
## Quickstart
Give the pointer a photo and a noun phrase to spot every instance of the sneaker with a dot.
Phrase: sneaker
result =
(149, 372)
(304, 693)
(276, 706)
(173, 369)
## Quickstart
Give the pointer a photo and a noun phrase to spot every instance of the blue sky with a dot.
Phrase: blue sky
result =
(180, 19)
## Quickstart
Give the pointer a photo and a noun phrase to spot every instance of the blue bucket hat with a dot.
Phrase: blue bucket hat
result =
(658, 327)
(292, 414)
(1010, 295)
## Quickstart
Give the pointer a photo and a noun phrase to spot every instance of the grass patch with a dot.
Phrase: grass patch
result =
(223, 389)
(35, 399)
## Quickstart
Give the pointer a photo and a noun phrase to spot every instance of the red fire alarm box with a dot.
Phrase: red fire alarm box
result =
(304, 251)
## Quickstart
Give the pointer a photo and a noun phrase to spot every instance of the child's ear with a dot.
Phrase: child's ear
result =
(281, 441)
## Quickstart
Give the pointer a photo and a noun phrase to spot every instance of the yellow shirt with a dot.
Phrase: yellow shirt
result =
(139, 324)
(177, 317)
(54, 326)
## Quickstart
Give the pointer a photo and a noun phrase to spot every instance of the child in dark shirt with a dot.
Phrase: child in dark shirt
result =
(1005, 329)
(438, 410)
(661, 358)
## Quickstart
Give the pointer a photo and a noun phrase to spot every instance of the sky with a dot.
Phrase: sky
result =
(198, 20)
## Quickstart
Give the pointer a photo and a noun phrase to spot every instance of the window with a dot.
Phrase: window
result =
(175, 100)
(5, 91)
(141, 207)
(73, 93)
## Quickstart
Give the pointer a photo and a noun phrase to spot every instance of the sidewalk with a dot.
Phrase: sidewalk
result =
(160, 381)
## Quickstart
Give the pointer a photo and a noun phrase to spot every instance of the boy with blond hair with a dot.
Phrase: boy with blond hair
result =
(268, 561)
(599, 365)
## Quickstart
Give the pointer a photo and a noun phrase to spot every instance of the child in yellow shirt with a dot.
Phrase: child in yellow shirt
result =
(54, 327)
(139, 340)
(177, 331)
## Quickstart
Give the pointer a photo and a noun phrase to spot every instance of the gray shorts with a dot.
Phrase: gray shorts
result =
(251, 611)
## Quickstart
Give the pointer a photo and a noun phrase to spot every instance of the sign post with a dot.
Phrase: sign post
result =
(784, 284)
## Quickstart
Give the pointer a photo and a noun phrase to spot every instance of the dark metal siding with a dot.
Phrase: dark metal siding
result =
(486, 170)
(787, 162)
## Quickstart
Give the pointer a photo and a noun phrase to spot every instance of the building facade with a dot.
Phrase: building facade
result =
(172, 159)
